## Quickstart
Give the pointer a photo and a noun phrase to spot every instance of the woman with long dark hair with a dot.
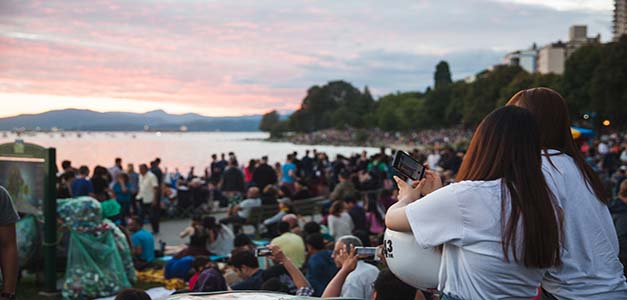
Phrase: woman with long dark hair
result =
(498, 225)
(591, 268)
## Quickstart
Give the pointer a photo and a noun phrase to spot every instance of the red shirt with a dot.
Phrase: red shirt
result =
(192, 281)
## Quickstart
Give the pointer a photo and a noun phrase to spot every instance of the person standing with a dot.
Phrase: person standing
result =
(133, 186)
(8, 245)
(156, 169)
(116, 169)
(233, 179)
(307, 165)
(213, 173)
(288, 171)
(148, 196)
(123, 196)
(82, 186)
(264, 174)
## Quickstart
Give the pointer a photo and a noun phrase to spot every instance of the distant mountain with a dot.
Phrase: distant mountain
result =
(87, 120)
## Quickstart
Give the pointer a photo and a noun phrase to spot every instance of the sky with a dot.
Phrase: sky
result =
(239, 57)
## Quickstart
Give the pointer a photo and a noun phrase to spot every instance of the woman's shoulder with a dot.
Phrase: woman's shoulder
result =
(471, 186)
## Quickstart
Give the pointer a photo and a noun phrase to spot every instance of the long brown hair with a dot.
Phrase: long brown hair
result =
(551, 112)
(506, 146)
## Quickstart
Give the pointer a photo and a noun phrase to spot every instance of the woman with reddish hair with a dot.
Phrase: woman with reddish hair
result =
(590, 265)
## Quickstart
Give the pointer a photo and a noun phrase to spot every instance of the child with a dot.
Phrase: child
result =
(199, 264)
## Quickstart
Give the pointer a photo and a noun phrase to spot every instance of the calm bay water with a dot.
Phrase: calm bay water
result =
(176, 150)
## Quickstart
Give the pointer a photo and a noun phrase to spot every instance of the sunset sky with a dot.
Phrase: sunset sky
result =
(235, 57)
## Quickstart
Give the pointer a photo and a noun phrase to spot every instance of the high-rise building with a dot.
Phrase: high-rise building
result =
(620, 18)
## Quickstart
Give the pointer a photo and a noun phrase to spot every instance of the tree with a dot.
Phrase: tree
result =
(442, 76)
(269, 121)
(608, 87)
(578, 72)
(483, 94)
(336, 104)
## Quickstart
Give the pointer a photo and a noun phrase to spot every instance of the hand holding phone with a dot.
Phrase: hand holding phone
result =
(368, 253)
(407, 167)
(263, 251)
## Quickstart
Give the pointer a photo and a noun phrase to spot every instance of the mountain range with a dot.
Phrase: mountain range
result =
(88, 120)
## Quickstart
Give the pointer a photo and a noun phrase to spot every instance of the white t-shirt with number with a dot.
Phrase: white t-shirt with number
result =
(465, 217)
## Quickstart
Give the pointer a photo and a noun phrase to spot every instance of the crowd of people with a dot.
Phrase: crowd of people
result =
(354, 216)
(522, 206)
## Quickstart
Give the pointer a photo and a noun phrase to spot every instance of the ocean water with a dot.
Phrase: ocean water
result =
(176, 149)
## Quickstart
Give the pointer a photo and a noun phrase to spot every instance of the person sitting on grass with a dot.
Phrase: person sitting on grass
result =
(207, 278)
(320, 266)
(143, 244)
(247, 268)
(291, 244)
(355, 277)
(274, 284)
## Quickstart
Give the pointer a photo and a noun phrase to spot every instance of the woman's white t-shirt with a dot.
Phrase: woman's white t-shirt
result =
(223, 243)
(340, 226)
(590, 265)
(465, 217)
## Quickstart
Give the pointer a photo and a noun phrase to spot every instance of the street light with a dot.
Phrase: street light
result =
(586, 116)
(606, 123)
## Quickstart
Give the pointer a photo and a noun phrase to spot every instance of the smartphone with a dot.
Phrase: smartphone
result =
(407, 167)
(368, 253)
(263, 251)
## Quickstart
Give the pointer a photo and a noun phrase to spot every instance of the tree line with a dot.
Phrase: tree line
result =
(594, 81)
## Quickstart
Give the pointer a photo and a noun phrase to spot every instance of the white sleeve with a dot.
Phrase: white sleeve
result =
(153, 181)
(436, 219)
(246, 203)
(331, 223)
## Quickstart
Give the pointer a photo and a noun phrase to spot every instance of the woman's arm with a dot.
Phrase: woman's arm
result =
(274, 219)
(396, 218)
(188, 231)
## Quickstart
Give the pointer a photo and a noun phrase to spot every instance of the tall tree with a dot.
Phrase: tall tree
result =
(442, 76)
(269, 121)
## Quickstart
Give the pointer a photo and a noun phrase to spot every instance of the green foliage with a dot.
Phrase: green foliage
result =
(442, 76)
(578, 72)
(483, 93)
(337, 104)
(608, 85)
(595, 79)
(269, 121)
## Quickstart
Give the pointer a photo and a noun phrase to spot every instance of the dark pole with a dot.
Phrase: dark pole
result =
(50, 224)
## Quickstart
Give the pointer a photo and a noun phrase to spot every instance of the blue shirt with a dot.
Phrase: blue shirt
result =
(320, 270)
(145, 240)
(179, 268)
(285, 169)
(121, 195)
(81, 187)
(252, 283)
